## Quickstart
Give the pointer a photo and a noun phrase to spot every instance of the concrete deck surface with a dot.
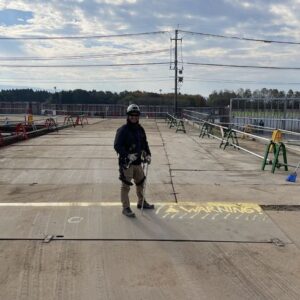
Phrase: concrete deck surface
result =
(78, 165)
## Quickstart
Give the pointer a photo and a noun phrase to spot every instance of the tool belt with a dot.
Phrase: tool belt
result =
(122, 176)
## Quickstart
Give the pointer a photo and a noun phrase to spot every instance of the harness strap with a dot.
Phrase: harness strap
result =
(123, 178)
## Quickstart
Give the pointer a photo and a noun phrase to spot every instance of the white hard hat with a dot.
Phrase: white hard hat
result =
(133, 108)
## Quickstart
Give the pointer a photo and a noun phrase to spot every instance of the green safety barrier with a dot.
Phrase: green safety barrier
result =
(229, 134)
(206, 129)
(168, 118)
(174, 122)
(180, 125)
(277, 149)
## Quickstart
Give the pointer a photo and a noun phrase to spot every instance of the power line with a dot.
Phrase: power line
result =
(91, 82)
(87, 56)
(85, 65)
(153, 78)
(166, 79)
(239, 81)
(81, 37)
(242, 66)
(18, 79)
(150, 63)
(240, 38)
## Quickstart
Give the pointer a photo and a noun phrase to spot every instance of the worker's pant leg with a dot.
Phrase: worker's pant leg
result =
(139, 180)
(125, 188)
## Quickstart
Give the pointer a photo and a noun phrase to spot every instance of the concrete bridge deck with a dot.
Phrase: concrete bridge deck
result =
(207, 239)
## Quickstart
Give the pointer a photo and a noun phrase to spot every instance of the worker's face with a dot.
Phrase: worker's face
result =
(134, 118)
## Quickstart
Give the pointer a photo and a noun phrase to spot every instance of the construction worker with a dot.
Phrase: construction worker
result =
(261, 124)
(132, 147)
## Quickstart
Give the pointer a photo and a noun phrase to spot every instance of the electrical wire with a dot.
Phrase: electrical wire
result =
(239, 38)
(87, 56)
(181, 53)
(238, 81)
(171, 54)
(81, 37)
(163, 78)
(242, 66)
(36, 80)
(85, 65)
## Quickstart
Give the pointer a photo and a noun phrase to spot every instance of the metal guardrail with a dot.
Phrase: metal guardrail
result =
(284, 123)
(199, 121)
(245, 133)
(16, 130)
(265, 128)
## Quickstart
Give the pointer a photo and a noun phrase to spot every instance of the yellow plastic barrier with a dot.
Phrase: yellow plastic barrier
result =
(277, 136)
(30, 119)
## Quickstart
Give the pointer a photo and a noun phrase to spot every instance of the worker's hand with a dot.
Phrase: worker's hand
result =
(132, 157)
(148, 159)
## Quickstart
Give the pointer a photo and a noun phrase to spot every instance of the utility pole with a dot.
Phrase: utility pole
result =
(176, 73)
(176, 39)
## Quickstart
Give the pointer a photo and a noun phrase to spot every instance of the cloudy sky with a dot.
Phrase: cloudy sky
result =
(27, 62)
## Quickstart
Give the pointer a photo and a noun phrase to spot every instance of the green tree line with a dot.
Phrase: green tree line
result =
(222, 98)
(79, 96)
(215, 99)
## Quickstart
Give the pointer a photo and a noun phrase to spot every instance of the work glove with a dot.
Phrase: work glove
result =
(148, 159)
(132, 157)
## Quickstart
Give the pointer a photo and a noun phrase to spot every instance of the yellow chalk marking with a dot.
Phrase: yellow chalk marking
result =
(221, 207)
(163, 207)
(171, 210)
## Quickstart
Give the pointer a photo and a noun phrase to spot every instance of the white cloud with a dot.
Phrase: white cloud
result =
(257, 19)
(117, 2)
(243, 4)
(209, 53)
(284, 14)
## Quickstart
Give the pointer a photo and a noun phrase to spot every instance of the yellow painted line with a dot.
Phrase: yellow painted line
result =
(170, 207)
(66, 204)
(57, 204)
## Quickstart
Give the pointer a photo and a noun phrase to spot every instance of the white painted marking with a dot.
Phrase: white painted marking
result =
(172, 217)
(194, 215)
(238, 216)
(158, 210)
(75, 220)
(35, 218)
(205, 216)
(214, 216)
(181, 217)
(226, 217)
(166, 215)
(254, 217)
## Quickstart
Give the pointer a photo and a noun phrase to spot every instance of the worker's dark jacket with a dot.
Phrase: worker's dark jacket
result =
(131, 138)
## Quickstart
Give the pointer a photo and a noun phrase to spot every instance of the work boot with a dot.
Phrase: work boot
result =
(128, 212)
(145, 206)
